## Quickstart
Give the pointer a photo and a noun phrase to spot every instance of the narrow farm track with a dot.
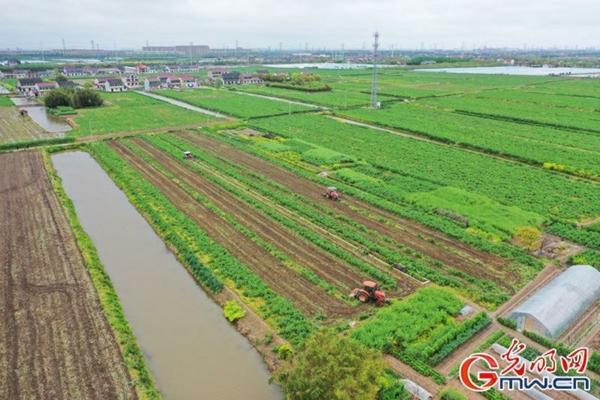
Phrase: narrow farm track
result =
(56, 340)
(336, 272)
(434, 244)
(304, 294)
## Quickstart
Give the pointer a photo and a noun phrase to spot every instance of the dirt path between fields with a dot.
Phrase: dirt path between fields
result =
(56, 341)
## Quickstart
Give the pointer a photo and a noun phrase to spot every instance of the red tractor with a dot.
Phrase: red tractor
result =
(369, 293)
(332, 193)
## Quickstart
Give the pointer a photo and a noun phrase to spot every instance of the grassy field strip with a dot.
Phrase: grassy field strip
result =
(182, 104)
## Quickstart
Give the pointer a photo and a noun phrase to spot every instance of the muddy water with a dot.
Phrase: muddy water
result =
(38, 113)
(191, 349)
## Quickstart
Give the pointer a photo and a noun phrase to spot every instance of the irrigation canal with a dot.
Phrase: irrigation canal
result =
(193, 352)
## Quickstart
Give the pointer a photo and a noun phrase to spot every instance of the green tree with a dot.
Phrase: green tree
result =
(328, 366)
(86, 98)
(57, 98)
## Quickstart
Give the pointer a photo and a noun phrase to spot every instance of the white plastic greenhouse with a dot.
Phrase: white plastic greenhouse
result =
(555, 307)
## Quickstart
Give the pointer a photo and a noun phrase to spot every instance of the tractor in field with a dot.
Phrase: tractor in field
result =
(370, 293)
(23, 112)
(332, 193)
(187, 155)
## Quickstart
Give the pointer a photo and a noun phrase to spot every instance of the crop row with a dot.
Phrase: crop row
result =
(416, 263)
(191, 242)
(576, 153)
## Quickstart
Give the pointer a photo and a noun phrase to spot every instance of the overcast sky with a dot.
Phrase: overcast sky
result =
(295, 23)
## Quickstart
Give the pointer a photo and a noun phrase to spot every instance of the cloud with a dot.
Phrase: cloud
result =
(320, 23)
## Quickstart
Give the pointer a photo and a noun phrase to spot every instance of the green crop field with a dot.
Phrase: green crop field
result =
(124, 112)
(524, 111)
(577, 153)
(238, 105)
(5, 101)
(414, 163)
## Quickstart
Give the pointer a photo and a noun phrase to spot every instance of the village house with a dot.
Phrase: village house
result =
(42, 87)
(131, 80)
(152, 84)
(27, 85)
(141, 68)
(231, 78)
(67, 85)
(251, 79)
(73, 72)
(188, 81)
(19, 74)
(216, 73)
(99, 82)
(113, 85)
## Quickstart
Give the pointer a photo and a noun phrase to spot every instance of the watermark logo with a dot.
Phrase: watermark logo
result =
(481, 372)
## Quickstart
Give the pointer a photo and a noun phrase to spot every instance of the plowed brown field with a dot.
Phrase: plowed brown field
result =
(54, 340)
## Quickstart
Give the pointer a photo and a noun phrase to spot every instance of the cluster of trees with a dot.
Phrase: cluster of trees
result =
(297, 78)
(75, 98)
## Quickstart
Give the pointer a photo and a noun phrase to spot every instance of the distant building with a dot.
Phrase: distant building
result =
(216, 73)
(67, 84)
(73, 72)
(131, 80)
(42, 87)
(99, 82)
(185, 50)
(152, 84)
(231, 78)
(113, 85)
(141, 68)
(27, 85)
(188, 81)
(238, 78)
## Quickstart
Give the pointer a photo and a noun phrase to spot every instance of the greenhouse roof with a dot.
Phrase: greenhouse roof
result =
(560, 302)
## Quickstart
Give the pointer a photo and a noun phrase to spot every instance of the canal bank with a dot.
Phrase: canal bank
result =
(191, 349)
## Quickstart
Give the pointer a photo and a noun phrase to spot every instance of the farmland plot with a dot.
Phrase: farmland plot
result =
(17, 128)
(227, 102)
(523, 111)
(306, 295)
(527, 188)
(56, 341)
(400, 239)
(576, 153)
(124, 112)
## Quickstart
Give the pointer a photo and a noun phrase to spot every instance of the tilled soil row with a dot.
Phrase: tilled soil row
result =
(56, 341)
(431, 243)
(336, 272)
(303, 293)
